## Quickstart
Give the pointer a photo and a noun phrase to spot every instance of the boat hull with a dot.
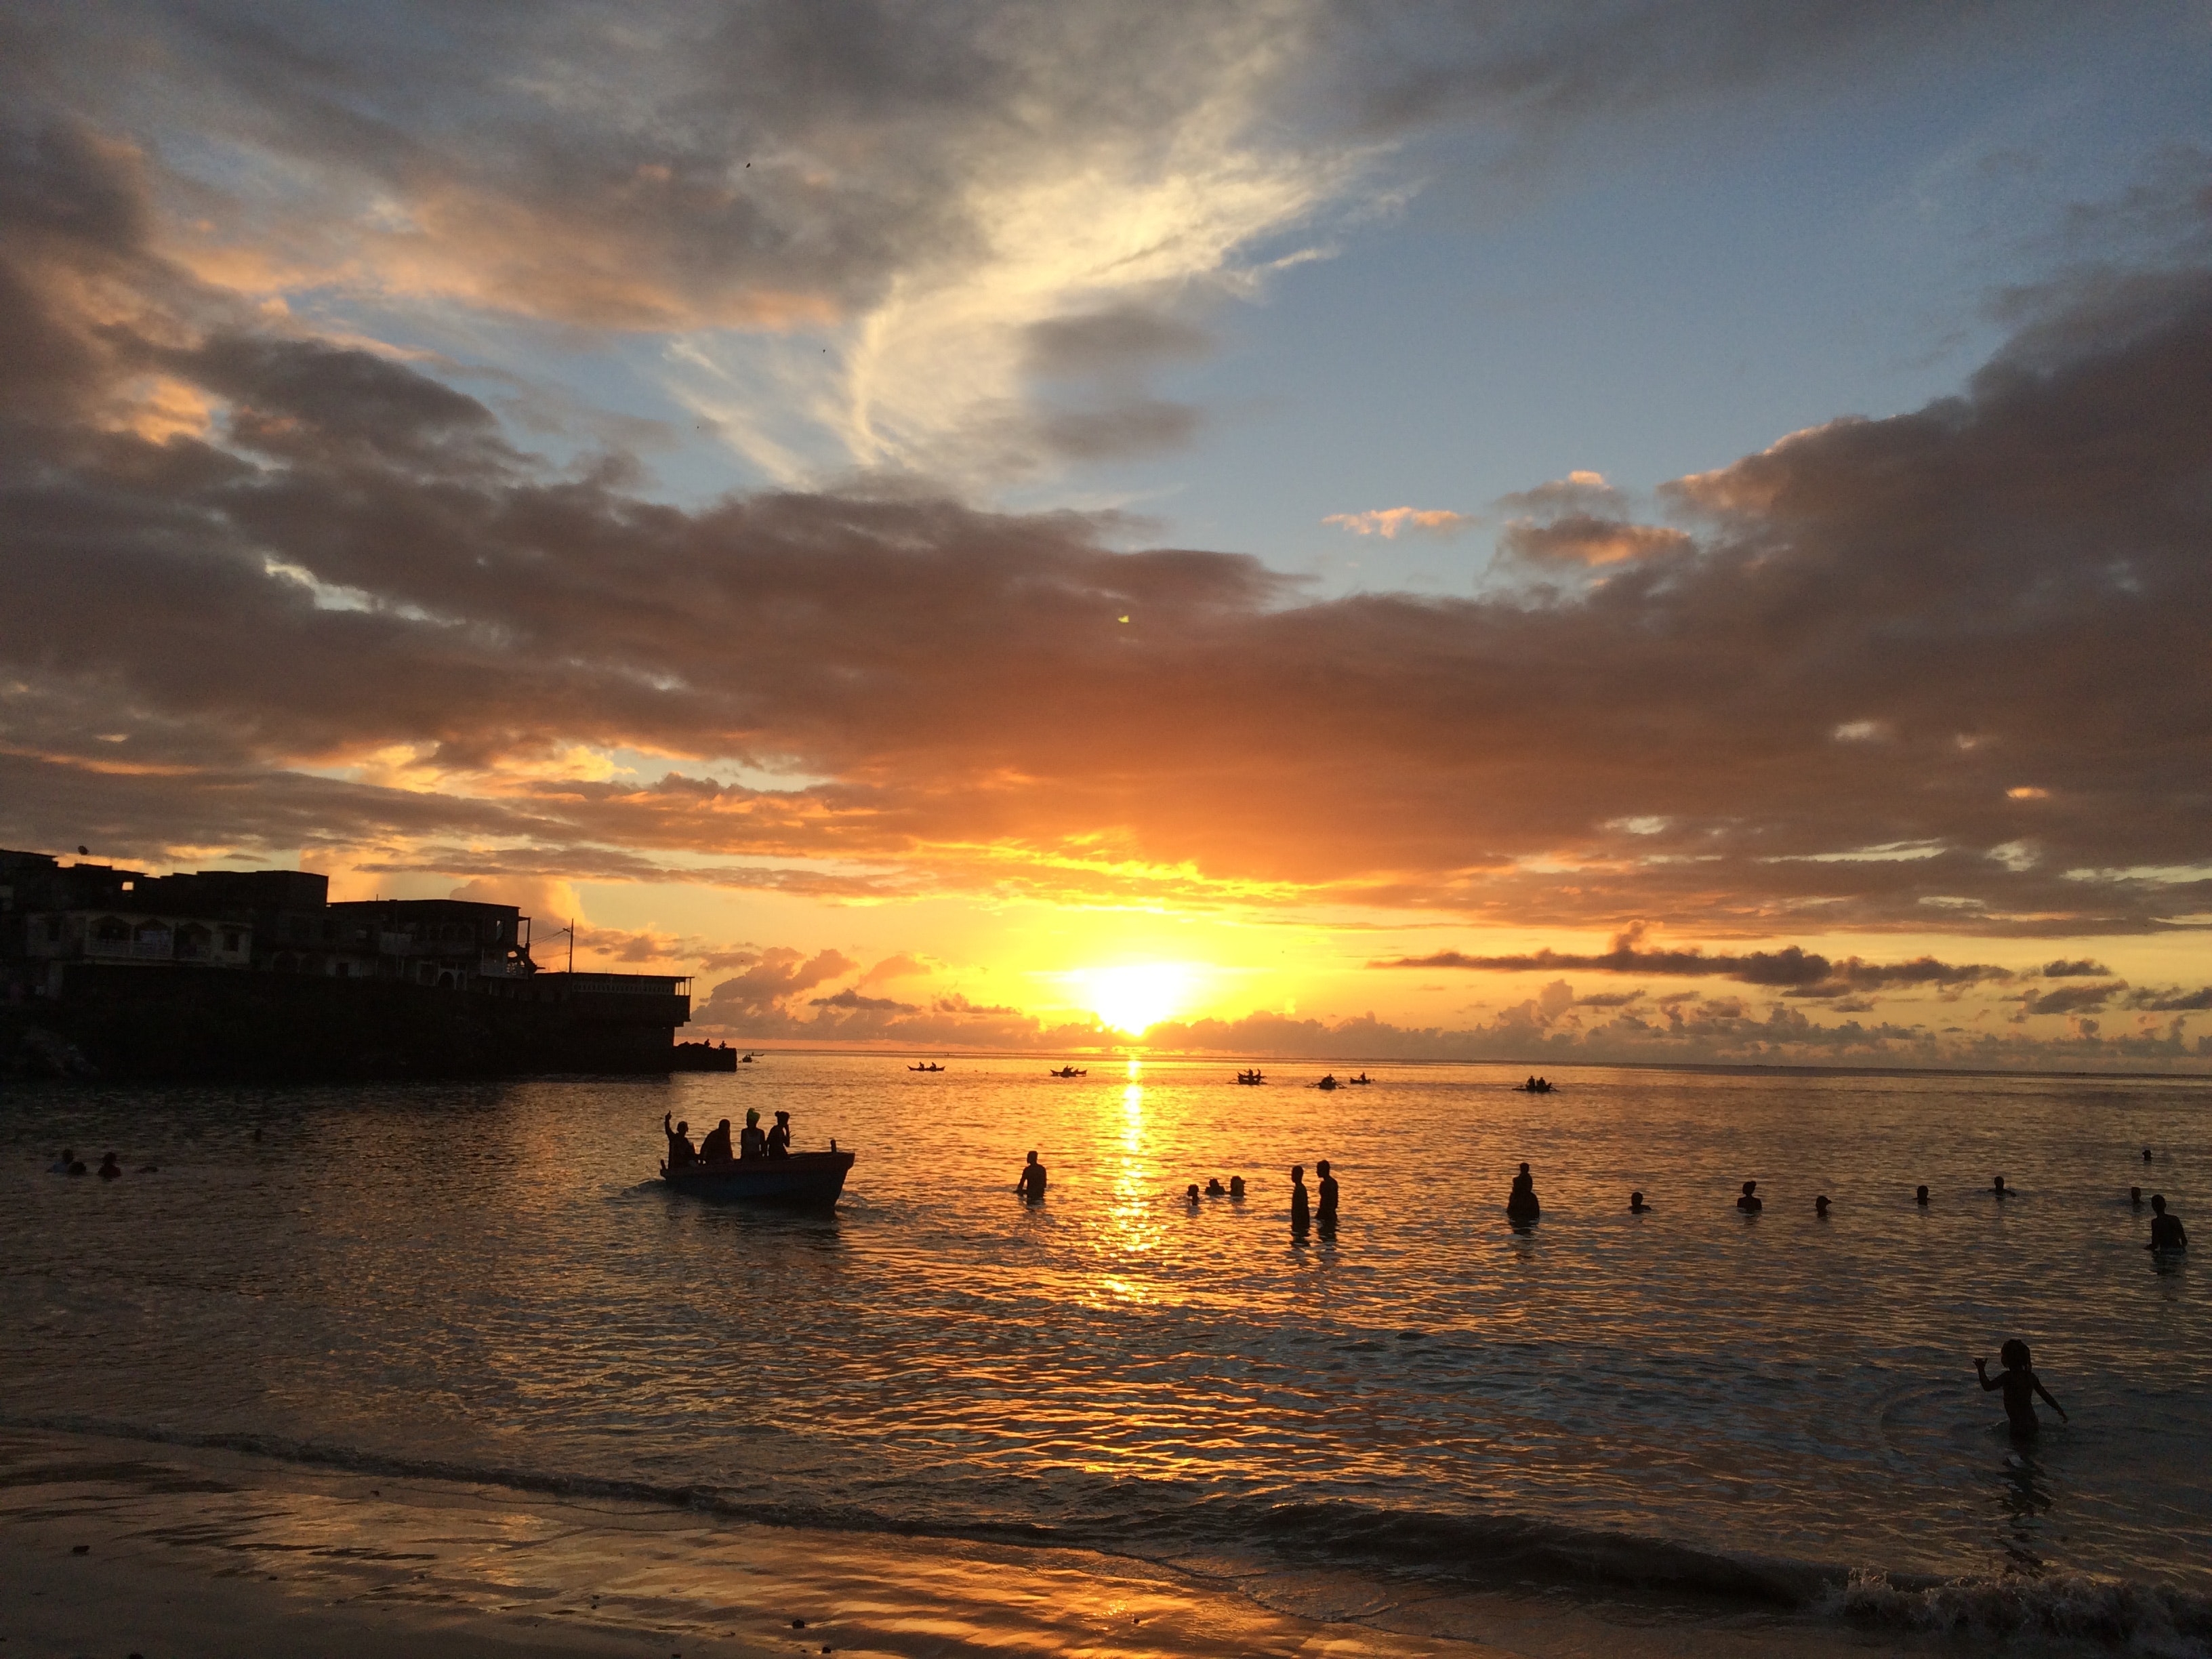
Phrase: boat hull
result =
(802, 1181)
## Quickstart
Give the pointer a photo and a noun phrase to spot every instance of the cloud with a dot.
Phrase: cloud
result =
(1578, 539)
(2083, 968)
(1390, 522)
(352, 616)
(2170, 1000)
(1793, 970)
(2070, 998)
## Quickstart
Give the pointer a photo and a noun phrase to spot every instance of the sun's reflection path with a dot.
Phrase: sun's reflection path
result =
(1135, 1208)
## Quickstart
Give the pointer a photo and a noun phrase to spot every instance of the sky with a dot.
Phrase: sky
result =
(1617, 532)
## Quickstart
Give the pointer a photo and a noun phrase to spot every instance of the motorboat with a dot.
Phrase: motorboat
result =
(798, 1180)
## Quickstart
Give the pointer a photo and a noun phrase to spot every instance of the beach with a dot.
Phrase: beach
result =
(208, 1553)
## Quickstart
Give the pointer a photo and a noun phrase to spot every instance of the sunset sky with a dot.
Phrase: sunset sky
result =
(1621, 532)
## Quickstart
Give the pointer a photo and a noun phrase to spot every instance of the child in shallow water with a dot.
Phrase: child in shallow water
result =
(2020, 1386)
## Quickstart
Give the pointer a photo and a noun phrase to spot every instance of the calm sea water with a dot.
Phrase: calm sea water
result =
(485, 1279)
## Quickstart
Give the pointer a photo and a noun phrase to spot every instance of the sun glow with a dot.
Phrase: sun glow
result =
(1140, 994)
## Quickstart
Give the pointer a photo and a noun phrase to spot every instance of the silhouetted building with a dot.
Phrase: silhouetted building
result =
(436, 985)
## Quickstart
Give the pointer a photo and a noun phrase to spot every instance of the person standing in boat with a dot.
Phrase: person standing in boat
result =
(680, 1153)
(715, 1148)
(751, 1143)
(1031, 1185)
(779, 1138)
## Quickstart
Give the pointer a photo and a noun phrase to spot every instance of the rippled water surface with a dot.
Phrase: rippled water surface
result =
(488, 1278)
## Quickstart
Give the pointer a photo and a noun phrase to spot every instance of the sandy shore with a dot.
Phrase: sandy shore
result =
(114, 1547)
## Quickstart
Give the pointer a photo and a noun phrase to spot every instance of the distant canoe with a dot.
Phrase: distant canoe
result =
(803, 1180)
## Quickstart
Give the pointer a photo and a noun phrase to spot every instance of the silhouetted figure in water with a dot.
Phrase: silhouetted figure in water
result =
(1326, 1213)
(1998, 1189)
(110, 1169)
(1190, 1195)
(61, 1165)
(2020, 1386)
(680, 1153)
(1031, 1185)
(1214, 1188)
(1637, 1206)
(715, 1148)
(2146, 1154)
(1300, 1210)
(1237, 1186)
(1920, 1196)
(1749, 1201)
(2135, 1198)
(2167, 1232)
(1520, 1204)
(1821, 1206)
(779, 1138)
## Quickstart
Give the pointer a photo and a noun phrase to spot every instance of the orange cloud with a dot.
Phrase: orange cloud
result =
(1390, 522)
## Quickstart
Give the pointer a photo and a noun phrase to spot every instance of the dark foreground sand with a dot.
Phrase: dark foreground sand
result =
(188, 1553)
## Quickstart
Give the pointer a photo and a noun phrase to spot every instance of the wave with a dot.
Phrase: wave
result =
(1500, 1551)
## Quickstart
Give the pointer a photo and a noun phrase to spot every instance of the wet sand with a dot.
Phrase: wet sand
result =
(190, 1553)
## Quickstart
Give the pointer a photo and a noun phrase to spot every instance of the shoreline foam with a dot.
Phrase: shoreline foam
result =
(323, 1554)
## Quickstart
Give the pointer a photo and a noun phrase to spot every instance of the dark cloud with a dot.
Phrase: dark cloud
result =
(1793, 970)
(2070, 998)
(849, 998)
(2172, 1001)
(2083, 968)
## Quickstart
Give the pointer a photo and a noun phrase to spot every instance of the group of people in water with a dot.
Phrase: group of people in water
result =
(111, 1167)
(752, 1141)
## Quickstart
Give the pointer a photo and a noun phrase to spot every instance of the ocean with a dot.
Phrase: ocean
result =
(484, 1281)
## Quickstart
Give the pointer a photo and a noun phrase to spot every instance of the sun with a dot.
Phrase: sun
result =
(1129, 998)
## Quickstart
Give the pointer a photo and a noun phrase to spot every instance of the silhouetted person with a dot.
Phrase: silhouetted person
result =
(751, 1143)
(111, 1170)
(1237, 1186)
(1920, 1196)
(1190, 1195)
(779, 1138)
(1031, 1185)
(1300, 1210)
(1520, 1204)
(61, 1165)
(1214, 1188)
(681, 1154)
(1326, 1213)
(2167, 1232)
(1998, 1189)
(1748, 1201)
(1635, 1204)
(2146, 1154)
(715, 1148)
(2135, 1198)
(1821, 1206)
(2020, 1386)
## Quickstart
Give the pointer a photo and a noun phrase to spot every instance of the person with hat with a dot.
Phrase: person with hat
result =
(779, 1138)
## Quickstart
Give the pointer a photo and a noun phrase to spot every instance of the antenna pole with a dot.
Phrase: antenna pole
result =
(572, 944)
